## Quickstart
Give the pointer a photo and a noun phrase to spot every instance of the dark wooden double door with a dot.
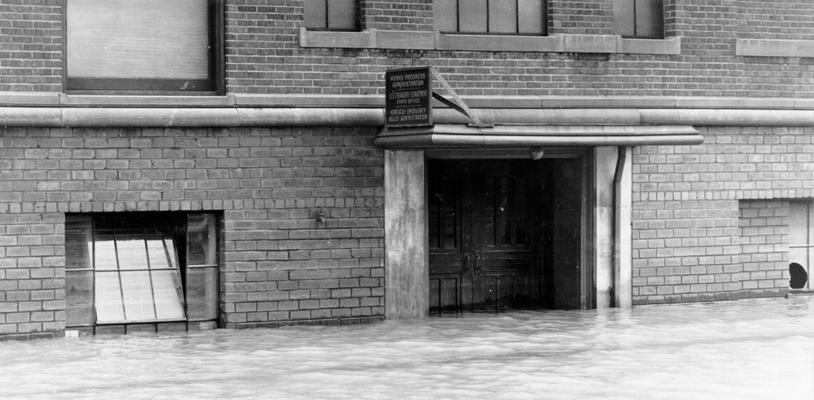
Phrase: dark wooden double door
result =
(498, 236)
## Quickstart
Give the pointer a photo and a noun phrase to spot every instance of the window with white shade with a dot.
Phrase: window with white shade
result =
(502, 17)
(143, 45)
(801, 244)
(137, 268)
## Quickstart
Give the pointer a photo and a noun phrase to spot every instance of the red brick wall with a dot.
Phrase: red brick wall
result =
(409, 15)
(776, 19)
(279, 263)
(31, 45)
(693, 213)
(264, 56)
(764, 229)
(593, 17)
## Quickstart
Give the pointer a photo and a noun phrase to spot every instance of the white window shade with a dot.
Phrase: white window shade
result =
(139, 44)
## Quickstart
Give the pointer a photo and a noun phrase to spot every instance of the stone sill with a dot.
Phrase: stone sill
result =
(774, 48)
(424, 40)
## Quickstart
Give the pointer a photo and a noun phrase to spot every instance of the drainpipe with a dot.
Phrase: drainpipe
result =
(622, 219)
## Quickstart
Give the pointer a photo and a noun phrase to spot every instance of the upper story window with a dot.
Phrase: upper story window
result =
(143, 45)
(334, 15)
(639, 18)
(507, 17)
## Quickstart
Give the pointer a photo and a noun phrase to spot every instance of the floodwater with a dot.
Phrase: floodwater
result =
(750, 349)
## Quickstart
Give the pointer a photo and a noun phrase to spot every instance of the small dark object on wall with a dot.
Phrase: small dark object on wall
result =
(798, 276)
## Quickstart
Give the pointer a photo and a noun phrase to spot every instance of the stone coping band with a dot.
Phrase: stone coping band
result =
(249, 100)
(86, 117)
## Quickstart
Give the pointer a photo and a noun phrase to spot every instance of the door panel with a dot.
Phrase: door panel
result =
(566, 221)
(484, 233)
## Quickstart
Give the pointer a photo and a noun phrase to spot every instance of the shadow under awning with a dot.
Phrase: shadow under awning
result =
(457, 135)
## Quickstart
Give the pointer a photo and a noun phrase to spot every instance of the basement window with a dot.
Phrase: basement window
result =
(140, 268)
(801, 244)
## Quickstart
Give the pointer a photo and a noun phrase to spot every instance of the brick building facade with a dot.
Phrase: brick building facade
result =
(689, 147)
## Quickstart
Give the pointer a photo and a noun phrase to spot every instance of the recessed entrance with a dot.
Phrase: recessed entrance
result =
(505, 234)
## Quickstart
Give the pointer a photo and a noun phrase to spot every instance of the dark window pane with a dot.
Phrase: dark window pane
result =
(623, 17)
(108, 297)
(78, 241)
(445, 15)
(316, 16)
(649, 18)
(201, 239)
(342, 15)
(502, 16)
(202, 293)
(532, 17)
(138, 296)
(79, 297)
(472, 16)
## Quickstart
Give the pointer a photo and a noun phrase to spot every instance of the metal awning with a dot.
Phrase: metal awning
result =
(459, 135)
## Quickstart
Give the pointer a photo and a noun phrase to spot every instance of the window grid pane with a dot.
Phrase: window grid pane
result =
(624, 17)
(801, 237)
(342, 15)
(137, 295)
(510, 17)
(445, 15)
(338, 15)
(472, 17)
(649, 19)
(502, 16)
(108, 297)
(316, 14)
(530, 19)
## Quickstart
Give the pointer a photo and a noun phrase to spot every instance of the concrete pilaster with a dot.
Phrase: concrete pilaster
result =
(623, 262)
(604, 166)
(405, 234)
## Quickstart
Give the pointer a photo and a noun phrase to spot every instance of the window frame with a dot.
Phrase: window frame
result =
(215, 85)
(806, 225)
(458, 31)
(328, 26)
(93, 226)
(636, 35)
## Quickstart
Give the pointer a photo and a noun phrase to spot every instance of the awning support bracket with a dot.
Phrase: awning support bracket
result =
(455, 102)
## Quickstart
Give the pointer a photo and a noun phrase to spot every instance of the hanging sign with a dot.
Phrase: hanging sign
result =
(408, 98)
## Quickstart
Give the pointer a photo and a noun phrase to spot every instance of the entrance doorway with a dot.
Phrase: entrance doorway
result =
(505, 234)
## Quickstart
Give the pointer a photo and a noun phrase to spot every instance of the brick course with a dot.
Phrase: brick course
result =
(31, 45)
(263, 53)
(278, 262)
(710, 221)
